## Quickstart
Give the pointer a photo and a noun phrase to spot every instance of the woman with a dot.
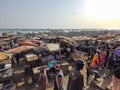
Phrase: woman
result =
(59, 83)
(42, 81)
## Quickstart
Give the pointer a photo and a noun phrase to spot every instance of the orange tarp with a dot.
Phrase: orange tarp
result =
(20, 49)
(27, 44)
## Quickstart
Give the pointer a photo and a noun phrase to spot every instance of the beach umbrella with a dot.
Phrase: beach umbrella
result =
(20, 49)
(117, 51)
(3, 56)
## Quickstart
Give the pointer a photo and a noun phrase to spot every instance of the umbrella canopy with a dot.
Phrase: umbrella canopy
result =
(117, 51)
(3, 56)
(20, 49)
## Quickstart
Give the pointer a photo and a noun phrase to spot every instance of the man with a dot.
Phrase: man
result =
(76, 80)
(11, 44)
(17, 57)
(111, 62)
(59, 83)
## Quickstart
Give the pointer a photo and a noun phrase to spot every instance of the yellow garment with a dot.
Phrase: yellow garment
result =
(95, 58)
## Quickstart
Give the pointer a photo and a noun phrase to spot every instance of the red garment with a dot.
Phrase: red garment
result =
(102, 56)
(60, 81)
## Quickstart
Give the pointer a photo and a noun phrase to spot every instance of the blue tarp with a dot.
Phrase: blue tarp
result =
(52, 63)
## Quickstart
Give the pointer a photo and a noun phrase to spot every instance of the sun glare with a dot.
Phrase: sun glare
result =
(102, 9)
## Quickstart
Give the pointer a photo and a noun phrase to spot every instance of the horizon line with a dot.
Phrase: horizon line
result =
(64, 28)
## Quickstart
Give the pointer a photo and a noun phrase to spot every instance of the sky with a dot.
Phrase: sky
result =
(60, 14)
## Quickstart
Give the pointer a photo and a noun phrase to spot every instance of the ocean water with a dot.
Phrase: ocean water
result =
(21, 30)
(38, 30)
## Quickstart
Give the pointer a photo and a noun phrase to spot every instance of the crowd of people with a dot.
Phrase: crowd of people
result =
(102, 57)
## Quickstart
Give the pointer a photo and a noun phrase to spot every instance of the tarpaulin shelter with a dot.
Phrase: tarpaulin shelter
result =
(27, 43)
(21, 49)
(46, 48)
(40, 49)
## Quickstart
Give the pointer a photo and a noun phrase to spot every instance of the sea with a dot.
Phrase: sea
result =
(36, 30)
(22, 31)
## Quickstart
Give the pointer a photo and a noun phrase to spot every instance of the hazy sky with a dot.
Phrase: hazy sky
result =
(60, 14)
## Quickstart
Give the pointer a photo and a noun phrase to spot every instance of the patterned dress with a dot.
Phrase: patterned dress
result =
(42, 82)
